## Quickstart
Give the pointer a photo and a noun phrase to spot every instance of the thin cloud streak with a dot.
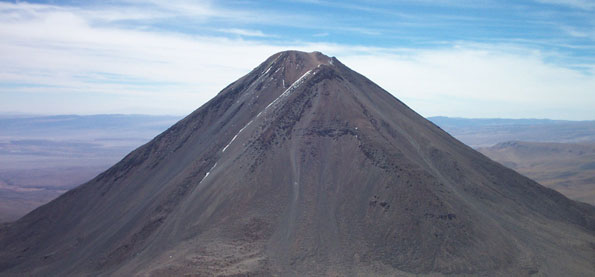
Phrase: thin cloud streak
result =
(244, 32)
(580, 4)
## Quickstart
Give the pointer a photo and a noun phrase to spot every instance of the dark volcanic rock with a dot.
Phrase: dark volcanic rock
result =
(304, 167)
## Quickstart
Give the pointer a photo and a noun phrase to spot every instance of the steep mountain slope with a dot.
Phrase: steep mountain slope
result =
(304, 167)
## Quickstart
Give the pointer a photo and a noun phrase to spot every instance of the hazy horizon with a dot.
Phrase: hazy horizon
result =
(21, 114)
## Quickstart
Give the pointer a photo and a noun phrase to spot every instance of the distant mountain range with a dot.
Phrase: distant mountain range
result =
(73, 127)
(43, 156)
(488, 132)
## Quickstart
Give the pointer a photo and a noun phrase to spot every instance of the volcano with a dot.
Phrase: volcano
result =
(304, 167)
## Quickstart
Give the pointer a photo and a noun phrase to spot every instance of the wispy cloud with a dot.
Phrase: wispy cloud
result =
(484, 80)
(60, 59)
(575, 33)
(324, 34)
(244, 32)
(179, 7)
(580, 4)
(580, 33)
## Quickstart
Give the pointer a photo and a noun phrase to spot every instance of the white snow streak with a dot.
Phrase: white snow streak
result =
(208, 172)
(234, 137)
(284, 94)
(289, 89)
(245, 127)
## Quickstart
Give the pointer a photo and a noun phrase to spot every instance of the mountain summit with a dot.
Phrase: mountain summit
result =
(304, 167)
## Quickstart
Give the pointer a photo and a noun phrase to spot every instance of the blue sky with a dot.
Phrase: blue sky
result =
(510, 59)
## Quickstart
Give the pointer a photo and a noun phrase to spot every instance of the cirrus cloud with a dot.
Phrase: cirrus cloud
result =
(60, 60)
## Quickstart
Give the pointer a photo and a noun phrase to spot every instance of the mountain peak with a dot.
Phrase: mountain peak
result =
(294, 64)
(304, 167)
(311, 59)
